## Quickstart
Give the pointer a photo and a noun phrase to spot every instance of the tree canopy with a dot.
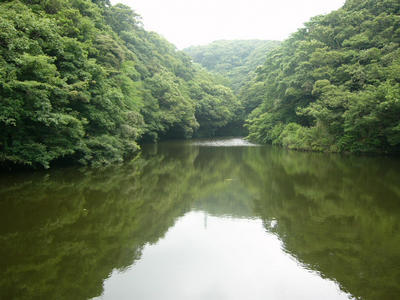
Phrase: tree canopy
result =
(83, 81)
(334, 85)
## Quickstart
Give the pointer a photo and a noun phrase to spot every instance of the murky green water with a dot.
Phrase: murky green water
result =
(205, 220)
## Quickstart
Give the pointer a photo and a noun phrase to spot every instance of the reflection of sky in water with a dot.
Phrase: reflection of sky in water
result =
(234, 142)
(206, 257)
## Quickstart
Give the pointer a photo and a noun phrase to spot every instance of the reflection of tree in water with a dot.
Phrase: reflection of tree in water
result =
(223, 194)
(63, 232)
(337, 215)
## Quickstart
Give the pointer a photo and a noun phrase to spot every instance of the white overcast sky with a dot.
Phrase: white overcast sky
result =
(198, 22)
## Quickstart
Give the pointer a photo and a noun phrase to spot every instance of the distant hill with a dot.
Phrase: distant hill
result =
(233, 59)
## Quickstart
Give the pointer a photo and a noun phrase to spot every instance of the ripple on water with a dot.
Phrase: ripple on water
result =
(233, 142)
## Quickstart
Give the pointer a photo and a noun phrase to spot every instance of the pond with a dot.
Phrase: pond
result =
(204, 219)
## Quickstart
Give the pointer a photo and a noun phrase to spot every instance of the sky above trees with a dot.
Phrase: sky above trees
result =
(192, 22)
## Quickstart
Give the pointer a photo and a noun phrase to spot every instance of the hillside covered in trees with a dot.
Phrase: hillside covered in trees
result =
(233, 59)
(82, 81)
(334, 85)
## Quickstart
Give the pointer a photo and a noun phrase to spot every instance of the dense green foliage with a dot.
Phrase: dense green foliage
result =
(233, 62)
(82, 81)
(233, 59)
(334, 85)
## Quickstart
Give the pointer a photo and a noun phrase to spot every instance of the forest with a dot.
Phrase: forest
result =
(103, 192)
(334, 85)
(234, 60)
(82, 82)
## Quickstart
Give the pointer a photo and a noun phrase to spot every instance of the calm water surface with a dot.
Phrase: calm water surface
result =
(206, 219)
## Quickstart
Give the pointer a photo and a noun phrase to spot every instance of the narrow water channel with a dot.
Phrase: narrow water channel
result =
(205, 219)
